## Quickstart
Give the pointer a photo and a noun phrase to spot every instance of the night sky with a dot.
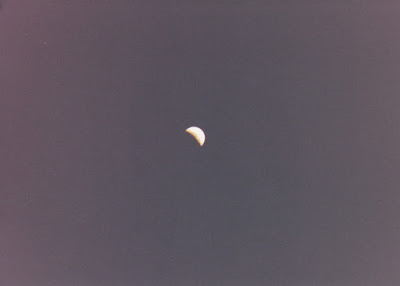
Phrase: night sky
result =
(298, 183)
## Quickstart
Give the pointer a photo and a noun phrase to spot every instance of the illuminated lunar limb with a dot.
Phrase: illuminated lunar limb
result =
(197, 133)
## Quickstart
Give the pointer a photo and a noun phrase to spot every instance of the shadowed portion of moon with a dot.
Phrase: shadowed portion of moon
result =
(198, 134)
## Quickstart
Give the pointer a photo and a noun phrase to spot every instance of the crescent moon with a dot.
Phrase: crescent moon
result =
(197, 133)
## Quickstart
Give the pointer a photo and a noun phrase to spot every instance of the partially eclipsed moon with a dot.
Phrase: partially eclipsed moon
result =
(197, 133)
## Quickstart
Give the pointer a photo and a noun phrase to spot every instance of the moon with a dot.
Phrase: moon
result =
(197, 133)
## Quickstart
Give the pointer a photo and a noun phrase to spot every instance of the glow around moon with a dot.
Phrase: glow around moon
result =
(197, 133)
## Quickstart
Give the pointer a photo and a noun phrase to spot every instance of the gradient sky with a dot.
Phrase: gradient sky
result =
(298, 181)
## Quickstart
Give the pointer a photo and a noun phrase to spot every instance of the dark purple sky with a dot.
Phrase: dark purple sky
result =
(298, 182)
